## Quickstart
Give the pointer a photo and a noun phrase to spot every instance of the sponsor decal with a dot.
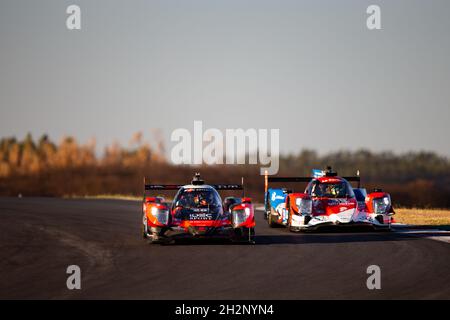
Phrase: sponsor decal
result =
(330, 180)
(200, 216)
(333, 202)
(201, 210)
(197, 189)
(317, 173)
(276, 197)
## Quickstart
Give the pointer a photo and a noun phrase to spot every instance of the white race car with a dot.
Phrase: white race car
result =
(328, 200)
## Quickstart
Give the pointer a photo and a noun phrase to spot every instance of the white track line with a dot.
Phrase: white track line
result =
(432, 234)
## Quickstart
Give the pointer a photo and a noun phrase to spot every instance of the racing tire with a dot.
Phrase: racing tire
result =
(288, 224)
(270, 220)
(155, 239)
(251, 239)
(243, 236)
(143, 231)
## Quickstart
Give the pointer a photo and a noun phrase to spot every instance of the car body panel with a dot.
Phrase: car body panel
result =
(197, 211)
(354, 207)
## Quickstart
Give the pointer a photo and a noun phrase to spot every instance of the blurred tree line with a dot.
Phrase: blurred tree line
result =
(67, 168)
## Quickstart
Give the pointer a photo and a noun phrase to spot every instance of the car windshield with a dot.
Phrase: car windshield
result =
(197, 198)
(329, 190)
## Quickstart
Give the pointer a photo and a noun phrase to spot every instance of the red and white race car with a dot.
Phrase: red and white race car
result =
(197, 211)
(328, 200)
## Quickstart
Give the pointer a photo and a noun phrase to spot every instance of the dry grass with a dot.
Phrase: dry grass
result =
(106, 196)
(111, 197)
(431, 217)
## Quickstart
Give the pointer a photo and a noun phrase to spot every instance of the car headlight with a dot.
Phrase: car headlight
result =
(162, 215)
(381, 205)
(240, 216)
(304, 206)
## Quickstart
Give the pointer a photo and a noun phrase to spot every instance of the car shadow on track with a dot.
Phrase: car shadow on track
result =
(285, 239)
(202, 241)
(331, 236)
(324, 236)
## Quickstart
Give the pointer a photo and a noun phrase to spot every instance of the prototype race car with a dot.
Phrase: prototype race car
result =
(197, 211)
(328, 200)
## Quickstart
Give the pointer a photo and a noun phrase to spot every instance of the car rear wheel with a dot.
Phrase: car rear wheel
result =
(144, 231)
(251, 239)
(288, 224)
(270, 219)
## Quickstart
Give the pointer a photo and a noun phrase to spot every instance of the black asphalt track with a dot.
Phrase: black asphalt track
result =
(40, 237)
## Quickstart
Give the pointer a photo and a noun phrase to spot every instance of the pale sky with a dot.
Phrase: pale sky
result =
(309, 68)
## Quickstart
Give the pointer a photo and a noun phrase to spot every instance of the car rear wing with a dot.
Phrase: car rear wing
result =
(162, 186)
(227, 186)
(221, 186)
(178, 186)
(268, 179)
(354, 179)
